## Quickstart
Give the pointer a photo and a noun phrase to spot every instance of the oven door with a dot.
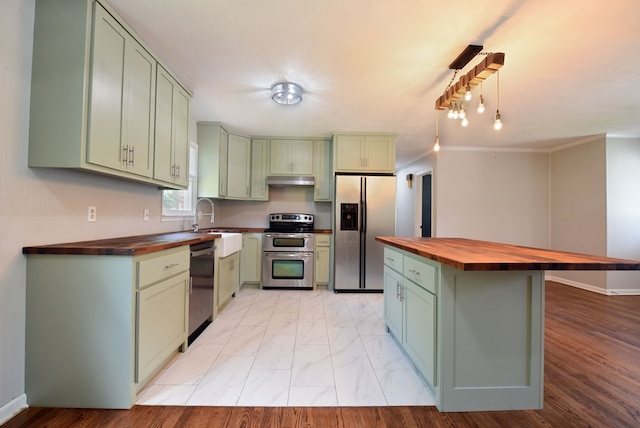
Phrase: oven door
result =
(287, 269)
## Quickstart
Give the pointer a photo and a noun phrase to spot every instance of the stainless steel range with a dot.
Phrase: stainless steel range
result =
(288, 247)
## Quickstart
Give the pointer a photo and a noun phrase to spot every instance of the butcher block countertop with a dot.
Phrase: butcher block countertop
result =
(141, 244)
(472, 255)
(128, 246)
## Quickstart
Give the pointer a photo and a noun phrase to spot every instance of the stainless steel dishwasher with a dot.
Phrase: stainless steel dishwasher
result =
(201, 287)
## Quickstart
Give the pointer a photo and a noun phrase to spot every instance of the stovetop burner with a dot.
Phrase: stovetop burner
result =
(290, 223)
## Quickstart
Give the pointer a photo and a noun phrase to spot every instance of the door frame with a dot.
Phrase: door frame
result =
(418, 202)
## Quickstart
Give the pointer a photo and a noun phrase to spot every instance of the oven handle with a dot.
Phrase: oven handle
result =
(282, 254)
(289, 235)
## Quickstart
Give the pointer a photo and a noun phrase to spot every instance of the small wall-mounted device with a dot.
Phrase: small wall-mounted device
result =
(409, 180)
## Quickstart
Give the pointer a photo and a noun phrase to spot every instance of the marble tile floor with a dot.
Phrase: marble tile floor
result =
(292, 348)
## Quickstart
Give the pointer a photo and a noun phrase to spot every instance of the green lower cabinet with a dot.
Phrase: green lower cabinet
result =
(162, 321)
(251, 259)
(98, 327)
(420, 329)
(411, 310)
(475, 337)
(393, 307)
(227, 281)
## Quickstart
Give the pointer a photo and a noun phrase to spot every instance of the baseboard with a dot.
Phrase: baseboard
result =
(583, 286)
(12, 408)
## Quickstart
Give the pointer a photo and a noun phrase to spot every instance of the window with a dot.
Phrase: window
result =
(177, 204)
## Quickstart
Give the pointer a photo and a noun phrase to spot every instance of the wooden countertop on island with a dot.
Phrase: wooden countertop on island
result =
(474, 255)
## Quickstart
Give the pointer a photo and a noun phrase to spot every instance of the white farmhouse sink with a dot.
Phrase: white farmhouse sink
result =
(229, 243)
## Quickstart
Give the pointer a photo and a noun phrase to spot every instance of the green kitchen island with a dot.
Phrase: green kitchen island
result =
(470, 316)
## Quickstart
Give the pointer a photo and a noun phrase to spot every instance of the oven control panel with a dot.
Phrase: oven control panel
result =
(293, 218)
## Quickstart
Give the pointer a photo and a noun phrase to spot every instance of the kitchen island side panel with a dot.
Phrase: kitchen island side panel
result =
(492, 340)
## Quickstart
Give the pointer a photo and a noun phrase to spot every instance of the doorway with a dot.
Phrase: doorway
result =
(423, 204)
(425, 221)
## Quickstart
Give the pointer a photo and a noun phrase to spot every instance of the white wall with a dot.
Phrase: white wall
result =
(43, 206)
(499, 196)
(623, 210)
(281, 200)
(408, 200)
(491, 195)
(579, 206)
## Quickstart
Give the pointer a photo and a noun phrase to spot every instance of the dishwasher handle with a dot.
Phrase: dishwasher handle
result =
(204, 252)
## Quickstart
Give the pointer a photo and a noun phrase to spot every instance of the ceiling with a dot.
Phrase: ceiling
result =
(571, 67)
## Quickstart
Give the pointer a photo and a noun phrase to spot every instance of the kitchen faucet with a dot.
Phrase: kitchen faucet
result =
(196, 213)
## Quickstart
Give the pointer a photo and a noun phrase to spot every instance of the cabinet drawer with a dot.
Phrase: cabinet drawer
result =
(393, 259)
(322, 240)
(421, 273)
(165, 264)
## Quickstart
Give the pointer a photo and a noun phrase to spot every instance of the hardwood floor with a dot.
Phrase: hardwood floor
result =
(592, 378)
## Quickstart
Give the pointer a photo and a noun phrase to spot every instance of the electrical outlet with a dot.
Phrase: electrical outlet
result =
(92, 214)
(145, 214)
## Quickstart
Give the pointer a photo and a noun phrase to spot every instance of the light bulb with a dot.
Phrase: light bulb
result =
(481, 104)
(450, 113)
(468, 95)
(456, 113)
(465, 121)
(463, 113)
(497, 125)
(436, 146)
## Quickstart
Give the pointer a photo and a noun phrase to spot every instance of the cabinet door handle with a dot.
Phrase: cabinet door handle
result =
(415, 272)
(125, 154)
(172, 265)
(132, 152)
(177, 171)
(397, 290)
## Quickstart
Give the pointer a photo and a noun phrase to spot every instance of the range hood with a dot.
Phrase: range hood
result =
(290, 180)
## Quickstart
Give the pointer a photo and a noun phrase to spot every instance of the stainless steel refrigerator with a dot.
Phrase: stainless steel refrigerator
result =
(365, 207)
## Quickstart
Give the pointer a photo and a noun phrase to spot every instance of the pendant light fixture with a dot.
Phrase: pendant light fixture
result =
(457, 93)
(467, 94)
(497, 124)
(481, 101)
(436, 145)
(463, 114)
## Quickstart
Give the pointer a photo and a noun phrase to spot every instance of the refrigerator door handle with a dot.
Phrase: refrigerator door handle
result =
(363, 231)
(363, 202)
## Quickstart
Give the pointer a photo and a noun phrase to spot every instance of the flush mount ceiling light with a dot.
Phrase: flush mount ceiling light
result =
(287, 93)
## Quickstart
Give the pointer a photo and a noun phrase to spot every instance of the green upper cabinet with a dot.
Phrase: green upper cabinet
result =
(291, 157)
(212, 160)
(172, 131)
(93, 93)
(122, 99)
(259, 160)
(373, 153)
(225, 163)
(322, 160)
(238, 167)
